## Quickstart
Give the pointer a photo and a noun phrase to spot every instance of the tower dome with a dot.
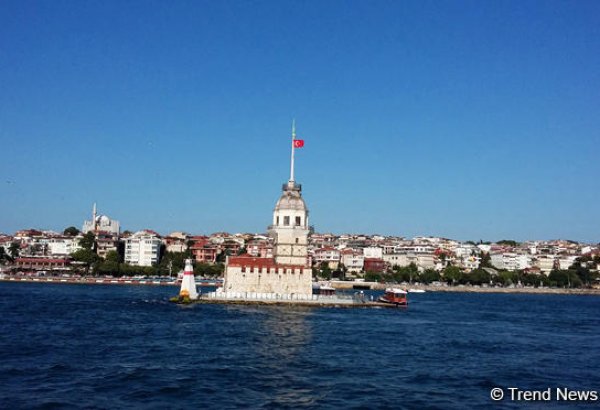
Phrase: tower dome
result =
(291, 200)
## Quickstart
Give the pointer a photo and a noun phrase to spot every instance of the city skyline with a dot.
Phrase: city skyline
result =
(462, 120)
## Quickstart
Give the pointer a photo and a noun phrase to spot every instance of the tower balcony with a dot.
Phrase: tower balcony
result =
(295, 227)
(291, 186)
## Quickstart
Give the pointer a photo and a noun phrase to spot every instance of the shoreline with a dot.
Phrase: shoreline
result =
(338, 285)
(344, 285)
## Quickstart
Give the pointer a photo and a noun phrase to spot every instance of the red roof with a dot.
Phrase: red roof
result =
(43, 260)
(246, 260)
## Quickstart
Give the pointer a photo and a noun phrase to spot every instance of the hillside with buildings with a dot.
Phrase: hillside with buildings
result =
(101, 248)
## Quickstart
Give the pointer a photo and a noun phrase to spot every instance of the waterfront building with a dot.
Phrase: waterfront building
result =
(353, 260)
(203, 250)
(289, 271)
(261, 247)
(143, 248)
(106, 242)
(176, 242)
(328, 255)
(31, 263)
(374, 265)
(373, 252)
(421, 260)
(63, 245)
(101, 223)
(510, 261)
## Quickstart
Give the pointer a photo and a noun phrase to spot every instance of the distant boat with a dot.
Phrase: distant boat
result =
(324, 289)
(416, 291)
(394, 296)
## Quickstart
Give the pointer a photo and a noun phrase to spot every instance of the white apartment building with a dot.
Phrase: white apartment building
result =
(329, 255)
(415, 248)
(422, 260)
(547, 263)
(63, 245)
(373, 252)
(142, 249)
(465, 251)
(471, 262)
(353, 261)
(511, 261)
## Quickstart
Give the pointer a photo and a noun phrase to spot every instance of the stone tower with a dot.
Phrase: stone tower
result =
(289, 271)
(290, 227)
(290, 219)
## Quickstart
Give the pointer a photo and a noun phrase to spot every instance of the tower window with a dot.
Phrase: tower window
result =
(286, 220)
(277, 223)
(298, 221)
(296, 240)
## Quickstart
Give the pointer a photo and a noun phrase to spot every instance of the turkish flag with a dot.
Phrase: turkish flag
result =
(298, 143)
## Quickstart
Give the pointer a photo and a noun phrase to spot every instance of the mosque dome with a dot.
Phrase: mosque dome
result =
(103, 220)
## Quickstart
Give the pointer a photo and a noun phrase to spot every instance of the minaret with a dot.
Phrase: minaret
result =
(290, 221)
(94, 215)
(188, 285)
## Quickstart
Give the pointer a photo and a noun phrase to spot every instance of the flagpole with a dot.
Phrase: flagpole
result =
(293, 150)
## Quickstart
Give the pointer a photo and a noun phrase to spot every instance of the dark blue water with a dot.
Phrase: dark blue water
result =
(79, 346)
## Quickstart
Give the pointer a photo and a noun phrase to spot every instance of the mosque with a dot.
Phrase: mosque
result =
(289, 271)
(101, 223)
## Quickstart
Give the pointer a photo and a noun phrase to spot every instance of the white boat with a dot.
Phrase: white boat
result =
(416, 291)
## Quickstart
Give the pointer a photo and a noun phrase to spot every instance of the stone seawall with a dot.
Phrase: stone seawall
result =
(346, 285)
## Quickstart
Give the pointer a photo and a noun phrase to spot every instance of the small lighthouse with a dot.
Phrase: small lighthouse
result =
(188, 285)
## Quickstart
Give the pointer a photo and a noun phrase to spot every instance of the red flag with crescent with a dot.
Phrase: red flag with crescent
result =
(298, 143)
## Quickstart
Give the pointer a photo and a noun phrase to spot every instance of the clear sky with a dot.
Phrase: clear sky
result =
(464, 119)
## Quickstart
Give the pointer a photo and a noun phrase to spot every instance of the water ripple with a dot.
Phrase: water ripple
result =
(127, 347)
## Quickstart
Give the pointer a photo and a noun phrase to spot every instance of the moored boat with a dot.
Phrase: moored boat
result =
(326, 290)
(394, 296)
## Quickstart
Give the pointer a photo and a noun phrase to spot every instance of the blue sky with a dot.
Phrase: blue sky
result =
(471, 120)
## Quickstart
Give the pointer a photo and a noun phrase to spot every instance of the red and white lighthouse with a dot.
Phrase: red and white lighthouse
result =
(188, 285)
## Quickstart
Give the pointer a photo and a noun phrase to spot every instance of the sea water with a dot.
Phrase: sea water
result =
(103, 346)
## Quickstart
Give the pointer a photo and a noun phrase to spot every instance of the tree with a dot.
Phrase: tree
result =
(3, 255)
(413, 272)
(486, 260)
(478, 277)
(452, 274)
(109, 267)
(429, 275)
(207, 270)
(325, 271)
(221, 257)
(506, 278)
(373, 276)
(172, 262)
(113, 256)
(565, 278)
(71, 231)
(14, 250)
(88, 241)
(87, 256)
(508, 242)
